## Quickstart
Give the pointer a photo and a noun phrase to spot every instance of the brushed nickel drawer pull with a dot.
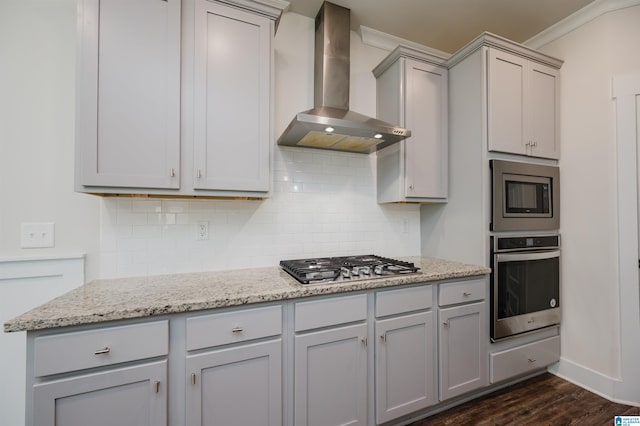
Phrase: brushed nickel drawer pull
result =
(103, 351)
(237, 330)
(467, 293)
(157, 386)
(532, 360)
(193, 378)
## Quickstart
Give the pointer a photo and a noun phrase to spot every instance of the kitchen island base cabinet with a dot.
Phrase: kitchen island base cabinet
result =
(463, 356)
(404, 365)
(236, 386)
(126, 396)
(331, 377)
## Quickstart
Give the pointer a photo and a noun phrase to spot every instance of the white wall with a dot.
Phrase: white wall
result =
(594, 53)
(37, 90)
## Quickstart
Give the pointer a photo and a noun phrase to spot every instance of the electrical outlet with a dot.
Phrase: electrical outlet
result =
(37, 235)
(202, 231)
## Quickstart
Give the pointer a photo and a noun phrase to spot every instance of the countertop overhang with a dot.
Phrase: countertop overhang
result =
(148, 296)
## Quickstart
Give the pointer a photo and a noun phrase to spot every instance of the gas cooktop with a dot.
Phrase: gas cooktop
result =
(325, 270)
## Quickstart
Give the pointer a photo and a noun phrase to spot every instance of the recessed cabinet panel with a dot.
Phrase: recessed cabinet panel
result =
(128, 113)
(331, 377)
(543, 111)
(404, 365)
(463, 356)
(236, 386)
(126, 396)
(507, 75)
(522, 104)
(426, 152)
(232, 88)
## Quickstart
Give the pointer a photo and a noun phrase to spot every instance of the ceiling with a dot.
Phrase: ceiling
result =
(447, 25)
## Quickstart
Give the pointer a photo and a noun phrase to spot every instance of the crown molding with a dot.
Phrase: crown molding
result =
(577, 19)
(389, 42)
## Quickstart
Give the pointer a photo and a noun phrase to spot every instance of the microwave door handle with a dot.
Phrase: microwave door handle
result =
(514, 257)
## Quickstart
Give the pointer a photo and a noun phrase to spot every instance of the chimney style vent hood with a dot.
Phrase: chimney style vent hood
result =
(330, 124)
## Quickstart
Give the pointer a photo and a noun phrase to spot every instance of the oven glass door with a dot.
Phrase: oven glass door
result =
(527, 282)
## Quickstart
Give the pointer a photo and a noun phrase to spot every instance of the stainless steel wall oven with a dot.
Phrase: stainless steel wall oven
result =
(525, 284)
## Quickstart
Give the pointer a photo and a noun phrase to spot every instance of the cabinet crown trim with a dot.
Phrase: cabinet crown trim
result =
(491, 40)
(271, 9)
(410, 53)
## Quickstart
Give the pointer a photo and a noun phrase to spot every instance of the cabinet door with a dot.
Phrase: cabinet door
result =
(232, 87)
(237, 386)
(543, 112)
(404, 365)
(331, 377)
(126, 396)
(463, 356)
(128, 109)
(426, 115)
(506, 102)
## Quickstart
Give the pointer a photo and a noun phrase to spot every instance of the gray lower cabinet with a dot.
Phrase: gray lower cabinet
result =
(331, 377)
(236, 386)
(404, 365)
(463, 356)
(330, 361)
(123, 396)
(100, 377)
(235, 377)
(404, 352)
(463, 333)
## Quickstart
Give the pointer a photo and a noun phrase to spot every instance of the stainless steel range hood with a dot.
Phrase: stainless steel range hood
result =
(330, 124)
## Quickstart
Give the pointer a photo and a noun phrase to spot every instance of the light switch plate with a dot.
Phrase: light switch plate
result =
(37, 235)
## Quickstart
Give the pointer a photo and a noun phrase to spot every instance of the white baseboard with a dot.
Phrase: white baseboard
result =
(590, 380)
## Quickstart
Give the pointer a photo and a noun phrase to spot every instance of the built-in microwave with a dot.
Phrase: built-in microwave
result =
(525, 196)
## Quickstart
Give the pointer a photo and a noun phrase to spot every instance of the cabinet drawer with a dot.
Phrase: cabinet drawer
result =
(520, 360)
(461, 292)
(391, 302)
(328, 312)
(232, 327)
(96, 348)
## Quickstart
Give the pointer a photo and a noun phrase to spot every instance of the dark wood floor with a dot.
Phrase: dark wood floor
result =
(542, 400)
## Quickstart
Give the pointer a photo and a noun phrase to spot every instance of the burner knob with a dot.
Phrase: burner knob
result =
(355, 271)
(378, 269)
(365, 270)
(345, 272)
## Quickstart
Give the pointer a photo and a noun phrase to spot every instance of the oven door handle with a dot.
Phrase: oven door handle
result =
(514, 257)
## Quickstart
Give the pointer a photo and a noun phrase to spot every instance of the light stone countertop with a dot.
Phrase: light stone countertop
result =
(138, 297)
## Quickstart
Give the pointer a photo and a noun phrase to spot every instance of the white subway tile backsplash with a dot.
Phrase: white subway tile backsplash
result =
(323, 204)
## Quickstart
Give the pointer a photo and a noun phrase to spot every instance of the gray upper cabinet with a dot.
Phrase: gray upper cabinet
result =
(174, 97)
(232, 87)
(412, 91)
(128, 112)
(523, 115)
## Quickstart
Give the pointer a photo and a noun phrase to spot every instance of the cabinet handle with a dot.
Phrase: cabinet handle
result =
(156, 386)
(193, 378)
(103, 351)
(466, 293)
(383, 337)
(446, 323)
(363, 340)
(412, 186)
(172, 171)
(198, 174)
(532, 360)
(237, 330)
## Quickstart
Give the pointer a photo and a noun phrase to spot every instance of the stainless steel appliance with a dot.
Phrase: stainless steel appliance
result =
(525, 284)
(526, 196)
(345, 269)
(331, 124)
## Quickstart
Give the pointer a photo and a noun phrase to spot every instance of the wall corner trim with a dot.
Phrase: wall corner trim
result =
(577, 19)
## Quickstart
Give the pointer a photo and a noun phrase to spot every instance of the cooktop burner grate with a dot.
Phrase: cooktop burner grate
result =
(345, 268)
